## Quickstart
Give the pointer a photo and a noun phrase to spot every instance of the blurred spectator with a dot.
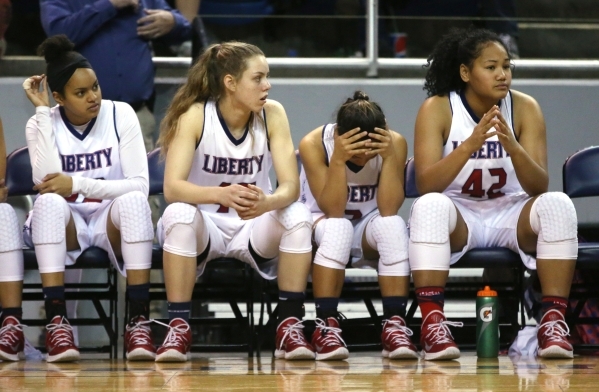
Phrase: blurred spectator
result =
(497, 15)
(115, 36)
(4, 22)
(25, 32)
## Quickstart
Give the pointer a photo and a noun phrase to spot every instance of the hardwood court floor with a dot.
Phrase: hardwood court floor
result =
(362, 372)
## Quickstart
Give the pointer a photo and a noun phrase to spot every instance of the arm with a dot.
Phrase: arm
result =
(188, 8)
(394, 152)
(161, 21)
(41, 143)
(284, 163)
(529, 152)
(434, 172)
(134, 162)
(328, 184)
(59, 18)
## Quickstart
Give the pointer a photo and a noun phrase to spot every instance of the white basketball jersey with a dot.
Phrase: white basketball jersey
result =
(489, 173)
(222, 160)
(362, 182)
(93, 153)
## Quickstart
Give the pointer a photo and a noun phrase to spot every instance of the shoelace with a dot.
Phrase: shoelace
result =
(439, 332)
(140, 332)
(294, 333)
(331, 335)
(176, 335)
(555, 330)
(400, 334)
(60, 334)
(9, 333)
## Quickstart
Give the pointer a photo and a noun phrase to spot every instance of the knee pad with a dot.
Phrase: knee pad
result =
(10, 233)
(51, 214)
(297, 221)
(433, 219)
(131, 214)
(182, 223)
(389, 236)
(553, 219)
(334, 237)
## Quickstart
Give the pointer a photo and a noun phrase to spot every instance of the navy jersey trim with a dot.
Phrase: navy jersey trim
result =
(74, 132)
(116, 130)
(236, 142)
(324, 147)
(469, 109)
(266, 129)
(353, 167)
(203, 127)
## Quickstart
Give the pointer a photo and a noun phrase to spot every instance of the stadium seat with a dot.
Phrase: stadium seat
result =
(19, 183)
(581, 179)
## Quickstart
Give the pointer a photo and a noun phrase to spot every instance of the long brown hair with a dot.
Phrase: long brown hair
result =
(205, 81)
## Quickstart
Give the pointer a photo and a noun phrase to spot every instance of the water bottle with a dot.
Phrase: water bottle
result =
(487, 324)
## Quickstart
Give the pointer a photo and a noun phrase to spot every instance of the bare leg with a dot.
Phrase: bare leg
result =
(52, 279)
(293, 271)
(179, 277)
(11, 294)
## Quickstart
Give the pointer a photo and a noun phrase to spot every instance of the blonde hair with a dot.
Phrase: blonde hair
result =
(205, 81)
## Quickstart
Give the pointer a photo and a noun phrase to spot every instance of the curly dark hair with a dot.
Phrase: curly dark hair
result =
(459, 46)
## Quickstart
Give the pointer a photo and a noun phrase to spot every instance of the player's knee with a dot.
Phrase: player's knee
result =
(553, 219)
(389, 236)
(433, 219)
(334, 237)
(132, 216)
(180, 222)
(10, 233)
(399, 268)
(51, 214)
(297, 221)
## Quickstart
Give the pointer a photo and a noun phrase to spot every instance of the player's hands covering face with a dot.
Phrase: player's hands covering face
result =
(348, 145)
(380, 143)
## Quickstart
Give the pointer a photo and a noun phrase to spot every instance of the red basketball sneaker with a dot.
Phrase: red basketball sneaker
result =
(12, 340)
(396, 340)
(291, 342)
(138, 340)
(552, 336)
(327, 340)
(60, 342)
(177, 343)
(436, 339)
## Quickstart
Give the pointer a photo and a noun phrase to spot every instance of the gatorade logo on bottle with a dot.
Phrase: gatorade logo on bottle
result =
(486, 314)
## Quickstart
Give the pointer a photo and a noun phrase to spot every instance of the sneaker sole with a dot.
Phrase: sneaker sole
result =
(448, 353)
(172, 356)
(141, 354)
(12, 357)
(401, 353)
(555, 352)
(67, 356)
(297, 354)
(340, 353)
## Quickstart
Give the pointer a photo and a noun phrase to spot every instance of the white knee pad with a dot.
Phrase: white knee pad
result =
(297, 221)
(10, 233)
(433, 219)
(553, 219)
(389, 236)
(51, 215)
(181, 224)
(131, 214)
(334, 237)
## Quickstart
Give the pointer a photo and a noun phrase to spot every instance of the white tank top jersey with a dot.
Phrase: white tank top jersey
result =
(362, 182)
(489, 173)
(222, 160)
(93, 153)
